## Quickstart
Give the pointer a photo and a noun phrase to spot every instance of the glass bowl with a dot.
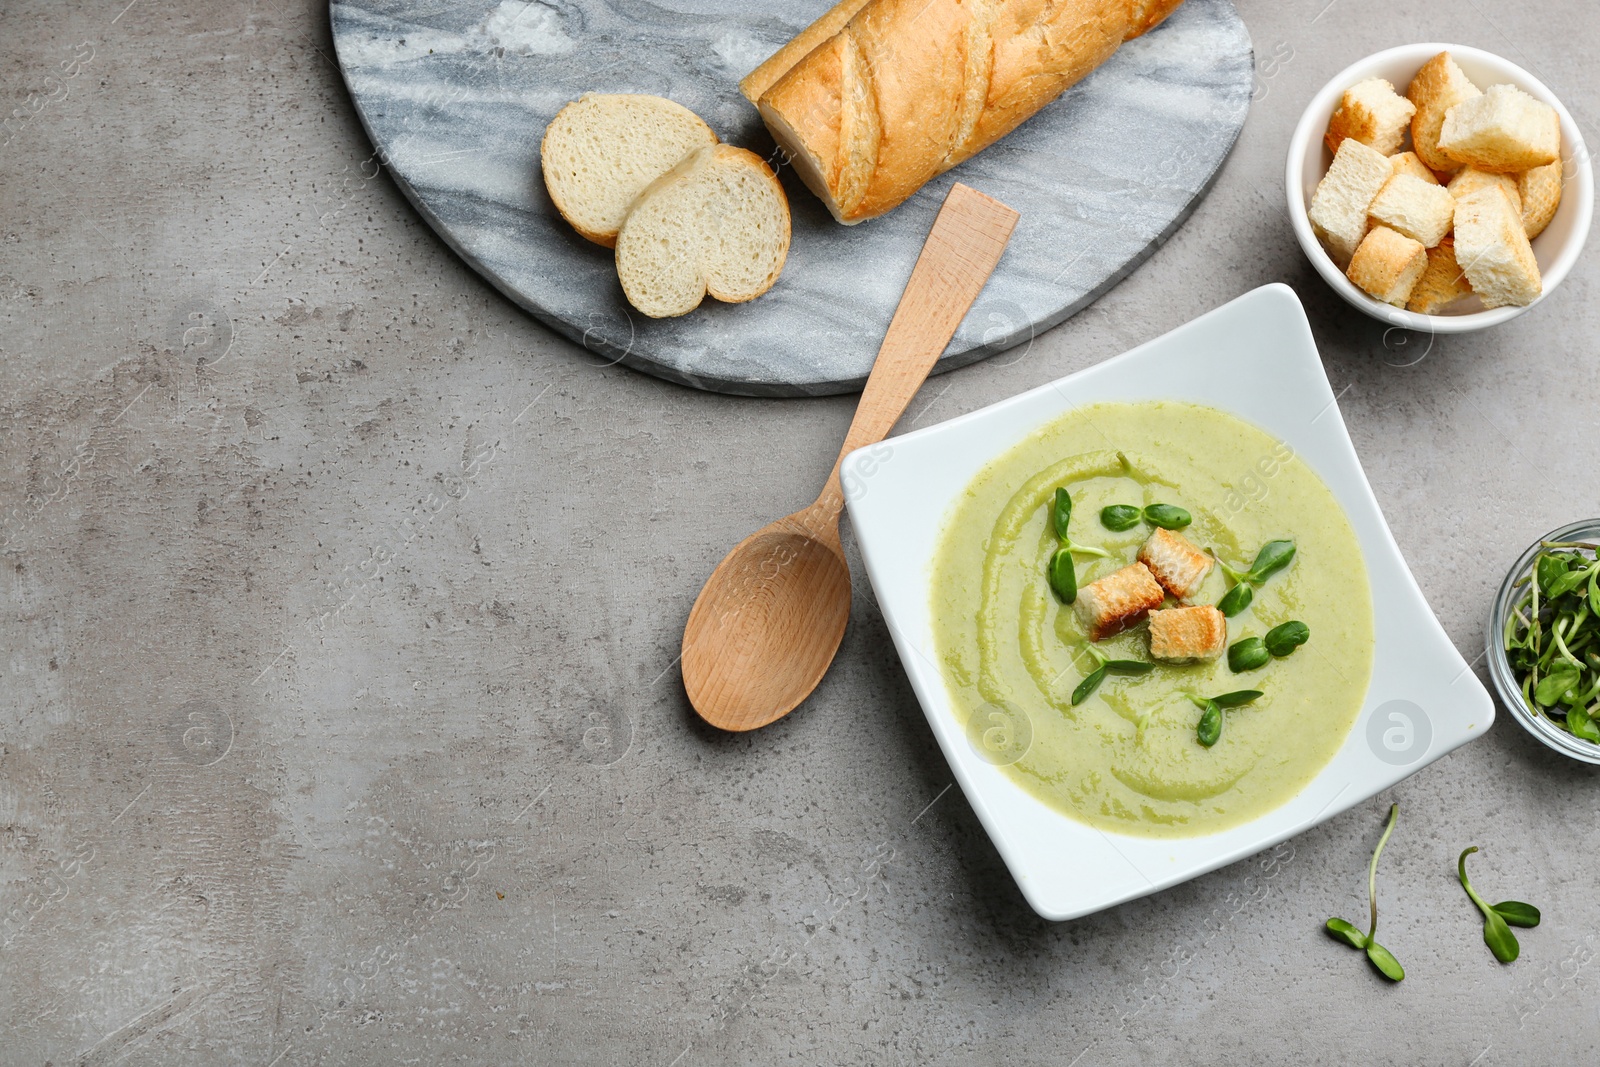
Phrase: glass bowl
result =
(1505, 683)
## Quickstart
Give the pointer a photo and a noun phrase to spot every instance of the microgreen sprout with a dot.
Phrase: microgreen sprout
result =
(1377, 955)
(1061, 571)
(1498, 919)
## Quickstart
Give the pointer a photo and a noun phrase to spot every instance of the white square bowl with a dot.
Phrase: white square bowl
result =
(1253, 358)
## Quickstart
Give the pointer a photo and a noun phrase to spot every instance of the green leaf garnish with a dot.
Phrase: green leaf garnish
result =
(1284, 639)
(1347, 933)
(1167, 516)
(1273, 557)
(1236, 599)
(1061, 515)
(1582, 724)
(1248, 655)
(1120, 517)
(1556, 685)
(1090, 683)
(1384, 960)
(1063, 574)
(1516, 913)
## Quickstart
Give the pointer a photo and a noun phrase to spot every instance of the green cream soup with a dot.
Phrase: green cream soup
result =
(1127, 759)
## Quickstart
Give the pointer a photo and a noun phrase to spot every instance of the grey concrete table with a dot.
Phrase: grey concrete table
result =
(339, 720)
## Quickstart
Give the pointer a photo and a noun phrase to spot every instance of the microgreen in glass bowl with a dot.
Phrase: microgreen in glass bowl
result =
(1544, 640)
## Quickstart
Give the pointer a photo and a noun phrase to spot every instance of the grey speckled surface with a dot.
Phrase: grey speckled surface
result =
(340, 723)
(455, 98)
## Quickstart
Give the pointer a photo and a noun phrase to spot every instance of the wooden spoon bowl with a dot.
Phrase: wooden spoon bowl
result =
(763, 633)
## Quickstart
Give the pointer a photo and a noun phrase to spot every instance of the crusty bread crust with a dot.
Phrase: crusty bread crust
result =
(909, 88)
(1147, 15)
(758, 81)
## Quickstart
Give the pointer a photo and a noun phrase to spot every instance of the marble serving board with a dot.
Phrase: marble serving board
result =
(456, 96)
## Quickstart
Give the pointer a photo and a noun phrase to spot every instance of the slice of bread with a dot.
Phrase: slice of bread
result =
(1410, 163)
(1493, 250)
(1472, 179)
(1338, 211)
(1540, 192)
(1388, 265)
(1503, 130)
(1420, 210)
(1439, 86)
(716, 223)
(602, 150)
(1373, 113)
(1442, 282)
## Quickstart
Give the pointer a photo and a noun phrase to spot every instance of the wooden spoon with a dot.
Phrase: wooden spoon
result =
(771, 616)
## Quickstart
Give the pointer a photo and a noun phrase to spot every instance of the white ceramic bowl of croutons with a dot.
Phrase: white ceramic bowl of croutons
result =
(1556, 248)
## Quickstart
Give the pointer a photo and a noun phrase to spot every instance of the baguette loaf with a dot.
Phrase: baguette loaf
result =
(907, 89)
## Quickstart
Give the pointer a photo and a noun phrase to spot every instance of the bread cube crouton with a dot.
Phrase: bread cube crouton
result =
(1338, 211)
(1493, 250)
(1373, 113)
(1175, 562)
(1502, 130)
(1410, 163)
(1471, 179)
(1439, 86)
(1540, 190)
(1442, 282)
(1181, 635)
(1388, 265)
(1109, 605)
(1420, 210)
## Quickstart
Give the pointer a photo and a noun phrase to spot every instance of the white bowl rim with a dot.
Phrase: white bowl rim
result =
(1312, 125)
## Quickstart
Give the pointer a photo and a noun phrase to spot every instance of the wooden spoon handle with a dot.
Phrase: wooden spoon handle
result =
(961, 252)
